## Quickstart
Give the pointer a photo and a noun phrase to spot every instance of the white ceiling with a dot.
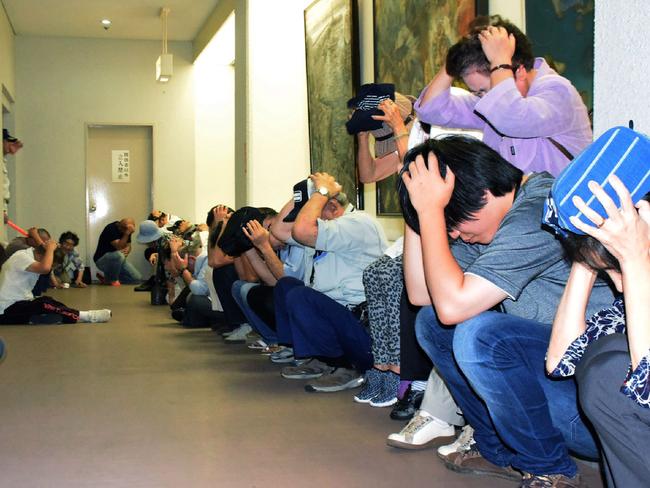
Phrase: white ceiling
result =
(132, 19)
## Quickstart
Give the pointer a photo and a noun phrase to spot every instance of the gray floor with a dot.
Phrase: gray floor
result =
(140, 402)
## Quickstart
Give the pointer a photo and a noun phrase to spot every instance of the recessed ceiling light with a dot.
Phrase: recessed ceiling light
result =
(106, 22)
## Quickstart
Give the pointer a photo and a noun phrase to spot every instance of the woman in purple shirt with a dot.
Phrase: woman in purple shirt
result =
(532, 116)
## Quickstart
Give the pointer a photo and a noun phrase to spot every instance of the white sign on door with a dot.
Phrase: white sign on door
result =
(121, 166)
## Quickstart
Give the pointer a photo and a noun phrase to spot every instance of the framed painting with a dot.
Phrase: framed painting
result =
(563, 33)
(411, 39)
(332, 78)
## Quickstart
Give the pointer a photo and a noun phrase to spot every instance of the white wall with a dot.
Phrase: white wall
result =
(621, 70)
(65, 83)
(214, 93)
(278, 133)
(7, 79)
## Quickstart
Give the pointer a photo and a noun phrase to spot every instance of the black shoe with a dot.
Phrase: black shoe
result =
(146, 286)
(406, 407)
(178, 314)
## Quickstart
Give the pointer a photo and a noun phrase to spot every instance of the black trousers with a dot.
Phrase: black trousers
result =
(623, 426)
(20, 312)
(223, 278)
(415, 365)
(260, 300)
(199, 313)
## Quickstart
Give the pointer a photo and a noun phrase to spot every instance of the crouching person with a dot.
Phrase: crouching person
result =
(17, 303)
(501, 257)
(317, 317)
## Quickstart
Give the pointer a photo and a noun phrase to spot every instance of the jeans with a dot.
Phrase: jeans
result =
(621, 423)
(240, 290)
(493, 365)
(318, 326)
(116, 268)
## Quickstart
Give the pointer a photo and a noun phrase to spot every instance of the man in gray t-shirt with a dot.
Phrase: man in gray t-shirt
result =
(501, 258)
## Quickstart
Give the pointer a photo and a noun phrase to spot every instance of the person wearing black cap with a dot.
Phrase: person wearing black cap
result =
(317, 317)
(10, 145)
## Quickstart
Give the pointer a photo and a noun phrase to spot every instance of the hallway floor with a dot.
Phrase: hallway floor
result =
(141, 402)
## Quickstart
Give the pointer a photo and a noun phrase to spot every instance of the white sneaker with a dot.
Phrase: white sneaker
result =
(96, 316)
(463, 443)
(421, 431)
(238, 335)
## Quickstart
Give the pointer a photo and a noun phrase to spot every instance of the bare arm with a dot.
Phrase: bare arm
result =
(626, 234)
(305, 228)
(216, 257)
(371, 169)
(261, 268)
(244, 269)
(44, 266)
(280, 229)
(260, 238)
(123, 242)
(455, 296)
(416, 285)
(569, 322)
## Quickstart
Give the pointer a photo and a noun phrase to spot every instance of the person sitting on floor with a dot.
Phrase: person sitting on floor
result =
(17, 303)
(275, 255)
(69, 271)
(34, 238)
(113, 248)
(321, 318)
(609, 353)
(459, 188)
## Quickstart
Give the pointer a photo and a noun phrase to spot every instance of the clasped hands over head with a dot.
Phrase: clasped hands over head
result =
(426, 187)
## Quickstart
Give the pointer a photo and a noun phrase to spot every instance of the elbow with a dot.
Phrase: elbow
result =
(418, 299)
(450, 315)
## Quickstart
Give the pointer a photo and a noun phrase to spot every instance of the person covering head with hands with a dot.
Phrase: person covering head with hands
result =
(599, 208)
(113, 248)
(316, 316)
(17, 303)
(460, 189)
(533, 117)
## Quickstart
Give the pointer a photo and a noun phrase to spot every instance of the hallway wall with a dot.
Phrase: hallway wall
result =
(65, 83)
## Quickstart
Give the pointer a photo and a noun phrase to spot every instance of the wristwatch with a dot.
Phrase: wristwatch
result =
(324, 191)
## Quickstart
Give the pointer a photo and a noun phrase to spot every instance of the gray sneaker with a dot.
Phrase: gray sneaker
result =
(338, 379)
(313, 368)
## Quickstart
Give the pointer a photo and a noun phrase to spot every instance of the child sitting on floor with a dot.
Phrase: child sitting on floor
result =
(67, 269)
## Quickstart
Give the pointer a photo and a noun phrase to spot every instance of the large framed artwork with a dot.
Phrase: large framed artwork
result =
(563, 33)
(332, 78)
(411, 39)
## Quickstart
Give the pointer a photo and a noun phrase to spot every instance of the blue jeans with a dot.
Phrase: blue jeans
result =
(240, 289)
(318, 326)
(116, 268)
(493, 365)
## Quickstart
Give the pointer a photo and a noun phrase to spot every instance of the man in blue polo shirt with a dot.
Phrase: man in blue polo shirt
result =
(320, 318)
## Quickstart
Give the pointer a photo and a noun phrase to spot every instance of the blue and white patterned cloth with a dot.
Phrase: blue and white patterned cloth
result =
(608, 321)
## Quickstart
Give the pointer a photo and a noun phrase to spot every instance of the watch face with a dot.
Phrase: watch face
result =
(323, 191)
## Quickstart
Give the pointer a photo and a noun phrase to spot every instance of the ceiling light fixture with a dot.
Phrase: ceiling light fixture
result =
(165, 62)
(106, 23)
